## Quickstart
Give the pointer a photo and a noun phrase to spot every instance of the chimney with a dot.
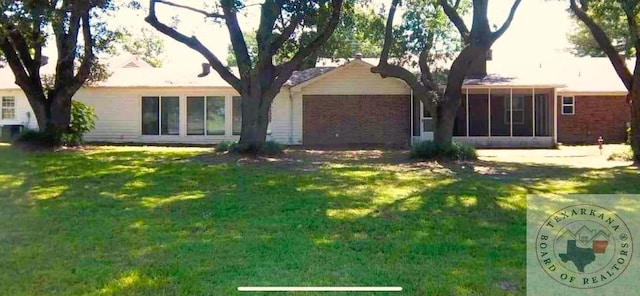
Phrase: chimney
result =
(206, 69)
(44, 60)
(478, 68)
(358, 56)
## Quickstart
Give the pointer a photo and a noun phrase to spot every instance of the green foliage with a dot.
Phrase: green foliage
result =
(147, 45)
(433, 150)
(34, 139)
(611, 18)
(623, 154)
(359, 31)
(224, 146)
(628, 132)
(271, 148)
(83, 120)
(268, 148)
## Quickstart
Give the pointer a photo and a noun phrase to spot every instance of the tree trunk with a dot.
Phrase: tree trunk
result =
(60, 112)
(446, 118)
(255, 120)
(634, 99)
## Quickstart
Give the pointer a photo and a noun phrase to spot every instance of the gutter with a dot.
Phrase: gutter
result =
(290, 117)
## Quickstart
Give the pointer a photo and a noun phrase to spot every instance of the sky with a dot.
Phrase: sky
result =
(538, 31)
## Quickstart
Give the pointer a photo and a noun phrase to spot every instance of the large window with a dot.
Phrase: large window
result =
(205, 115)
(568, 105)
(160, 115)
(517, 109)
(8, 108)
(237, 115)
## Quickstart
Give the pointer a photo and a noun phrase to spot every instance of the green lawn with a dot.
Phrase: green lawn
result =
(161, 221)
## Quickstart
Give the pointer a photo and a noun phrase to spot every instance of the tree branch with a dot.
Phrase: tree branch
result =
(388, 33)
(507, 22)
(237, 39)
(286, 33)
(195, 44)
(605, 44)
(284, 70)
(187, 7)
(455, 18)
(87, 62)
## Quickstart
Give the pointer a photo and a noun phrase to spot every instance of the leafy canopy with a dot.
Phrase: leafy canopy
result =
(611, 18)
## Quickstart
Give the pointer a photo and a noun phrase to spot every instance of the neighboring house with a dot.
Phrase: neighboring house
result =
(527, 105)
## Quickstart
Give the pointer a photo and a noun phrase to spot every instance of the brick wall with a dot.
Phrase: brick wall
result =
(343, 120)
(594, 116)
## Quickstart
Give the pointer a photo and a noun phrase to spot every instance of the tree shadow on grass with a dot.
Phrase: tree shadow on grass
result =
(131, 223)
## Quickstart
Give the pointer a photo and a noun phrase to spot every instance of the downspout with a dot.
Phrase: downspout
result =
(412, 119)
(290, 117)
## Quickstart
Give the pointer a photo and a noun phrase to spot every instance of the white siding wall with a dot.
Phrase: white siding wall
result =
(24, 113)
(355, 79)
(119, 115)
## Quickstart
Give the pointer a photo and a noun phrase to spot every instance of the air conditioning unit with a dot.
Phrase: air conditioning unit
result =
(10, 131)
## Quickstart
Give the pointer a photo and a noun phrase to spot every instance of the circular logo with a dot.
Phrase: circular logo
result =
(584, 246)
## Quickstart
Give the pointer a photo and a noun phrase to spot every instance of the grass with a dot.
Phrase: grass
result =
(156, 221)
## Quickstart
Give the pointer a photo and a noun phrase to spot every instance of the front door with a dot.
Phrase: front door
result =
(426, 128)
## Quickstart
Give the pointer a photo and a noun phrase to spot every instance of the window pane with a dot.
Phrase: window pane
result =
(215, 115)
(427, 124)
(8, 102)
(170, 124)
(237, 115)
(195, 115)
(567, 100)
(150, 112)
(567, 109)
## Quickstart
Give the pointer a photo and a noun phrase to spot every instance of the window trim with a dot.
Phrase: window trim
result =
(508, 111)
(205, 109)
(9, 108)
(159, 115)
(572, 105)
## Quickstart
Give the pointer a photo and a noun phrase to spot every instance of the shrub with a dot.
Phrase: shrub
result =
(624, 154)
(431, 150)
(83, 120)
(271, 148)
(224, 146)
(38, 139)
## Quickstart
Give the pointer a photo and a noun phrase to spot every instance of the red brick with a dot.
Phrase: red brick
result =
(343, 120)
(594, 116)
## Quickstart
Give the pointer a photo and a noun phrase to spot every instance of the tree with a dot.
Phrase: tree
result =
(358, 31)
(260, 80)
(608, 15)
(146, 45)
(629, 11)
(24, 28)
(425, 19)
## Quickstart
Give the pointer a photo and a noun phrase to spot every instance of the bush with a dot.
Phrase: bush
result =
(431, 150)
(83, 120)
(224, 146)
(38, 139)
(624, 154)
(269, 148)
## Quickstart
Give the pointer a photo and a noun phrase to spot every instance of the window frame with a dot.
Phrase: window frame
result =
(205, 114)
(508, 111)
(4, 108)
(572, 105)
(158, 115)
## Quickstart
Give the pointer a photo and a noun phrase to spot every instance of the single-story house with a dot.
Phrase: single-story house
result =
(534, 105)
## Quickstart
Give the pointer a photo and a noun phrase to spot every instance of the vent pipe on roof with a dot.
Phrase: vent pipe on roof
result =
(206, 69)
